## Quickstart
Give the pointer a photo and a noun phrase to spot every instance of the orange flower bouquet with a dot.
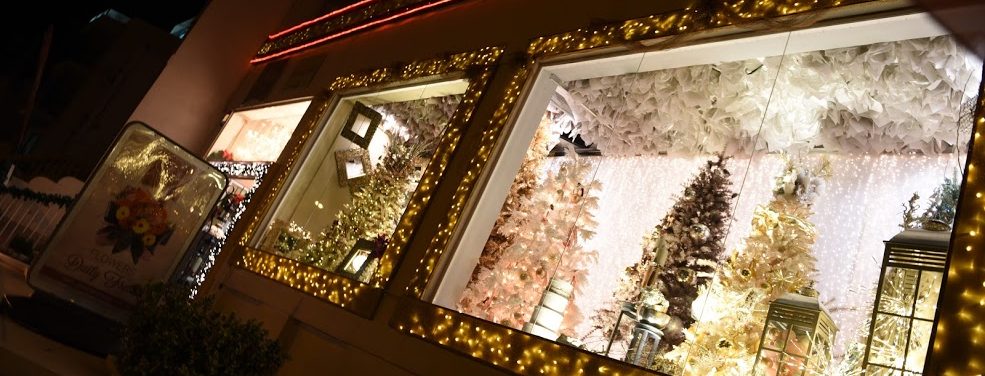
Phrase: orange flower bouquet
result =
(137, 222)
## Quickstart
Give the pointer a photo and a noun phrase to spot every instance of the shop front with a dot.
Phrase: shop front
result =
(730, 188)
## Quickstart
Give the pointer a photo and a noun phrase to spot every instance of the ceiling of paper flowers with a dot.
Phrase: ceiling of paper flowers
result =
(895, 97)
(421, 118)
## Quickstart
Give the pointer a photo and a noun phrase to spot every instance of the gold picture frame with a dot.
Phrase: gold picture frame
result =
(348, 161)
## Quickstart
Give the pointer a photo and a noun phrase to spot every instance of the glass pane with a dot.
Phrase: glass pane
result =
(257, 135)
(343, 203)
(889, 340)
(919, 344)
(821, 351)
(799, 341)
(898, 288)
(776, 335)
(792, 366)
(769, 363)
(928, 294)
(880, 371)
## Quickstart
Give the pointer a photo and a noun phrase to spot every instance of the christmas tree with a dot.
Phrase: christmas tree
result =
(682, 253)
(375, 208)
(523, 186)
(939, 215)
(548, 235)
(775, 260)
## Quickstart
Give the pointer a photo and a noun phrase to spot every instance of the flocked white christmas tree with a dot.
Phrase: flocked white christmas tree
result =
(556, 219)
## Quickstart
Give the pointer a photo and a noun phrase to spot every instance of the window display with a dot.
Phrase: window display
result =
(251, 140)
(666, 206)
(346, 198)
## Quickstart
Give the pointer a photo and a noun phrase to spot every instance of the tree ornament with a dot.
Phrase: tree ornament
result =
(685, 276)
(700, 232)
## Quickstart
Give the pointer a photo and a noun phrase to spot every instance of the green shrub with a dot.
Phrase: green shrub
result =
(169, 334)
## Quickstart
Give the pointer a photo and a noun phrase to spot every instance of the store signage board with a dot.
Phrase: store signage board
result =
(131, 224)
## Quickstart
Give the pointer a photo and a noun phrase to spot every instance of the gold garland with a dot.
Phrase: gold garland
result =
(505, 348)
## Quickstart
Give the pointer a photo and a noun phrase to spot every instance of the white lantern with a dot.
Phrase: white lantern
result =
(546, 319)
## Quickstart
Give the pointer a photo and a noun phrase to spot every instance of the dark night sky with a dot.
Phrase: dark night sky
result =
(24, 25)
(73, 14)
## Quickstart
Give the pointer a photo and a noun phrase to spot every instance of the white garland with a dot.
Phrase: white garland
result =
(895, 97)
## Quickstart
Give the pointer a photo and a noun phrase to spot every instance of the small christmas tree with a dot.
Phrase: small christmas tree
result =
(375, 208)
(555, 220)
(775, 260)
(940, 213)
(694, 231)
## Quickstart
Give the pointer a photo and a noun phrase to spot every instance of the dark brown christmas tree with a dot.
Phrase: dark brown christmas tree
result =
(693, 232)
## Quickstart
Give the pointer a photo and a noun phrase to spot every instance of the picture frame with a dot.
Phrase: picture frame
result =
(353, 167)
(361, 125)
(357, 260)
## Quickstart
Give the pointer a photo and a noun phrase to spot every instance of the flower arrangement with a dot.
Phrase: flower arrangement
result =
(379, 246)
(220, 156)
(137, 222)
(232, 200)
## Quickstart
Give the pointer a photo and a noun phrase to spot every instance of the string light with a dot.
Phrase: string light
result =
(255, 170)
(493, 343)
(319, 19)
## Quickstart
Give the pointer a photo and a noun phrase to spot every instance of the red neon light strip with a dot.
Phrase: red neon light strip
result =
(349, 31)
(329, 15)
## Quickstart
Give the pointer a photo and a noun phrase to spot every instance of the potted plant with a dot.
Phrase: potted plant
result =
(170, 334)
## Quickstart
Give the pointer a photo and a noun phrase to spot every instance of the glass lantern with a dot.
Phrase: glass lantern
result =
(797, 337)
(906, 302)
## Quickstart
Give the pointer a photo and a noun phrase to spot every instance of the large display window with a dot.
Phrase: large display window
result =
(347, 196)
(337, 210)
(249, 142)
(775, 204)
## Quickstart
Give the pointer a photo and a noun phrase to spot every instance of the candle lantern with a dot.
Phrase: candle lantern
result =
(797, 337)
(358, 259)
(546, 319)
(906, 302)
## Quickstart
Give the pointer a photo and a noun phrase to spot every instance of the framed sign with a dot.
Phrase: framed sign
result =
(131, 225)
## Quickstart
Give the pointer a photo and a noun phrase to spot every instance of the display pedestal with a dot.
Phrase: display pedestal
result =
(64, 322)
